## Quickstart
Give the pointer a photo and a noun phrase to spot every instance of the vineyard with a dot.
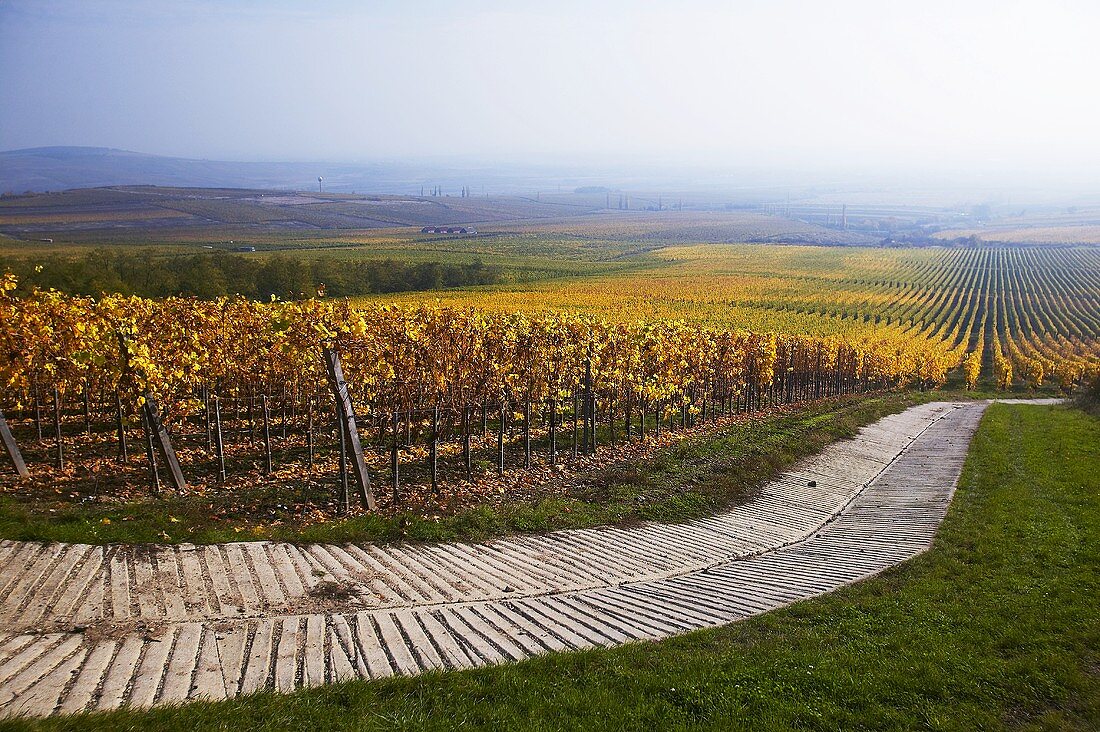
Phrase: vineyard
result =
(228, 381)
(1025, 315)
(378, 398)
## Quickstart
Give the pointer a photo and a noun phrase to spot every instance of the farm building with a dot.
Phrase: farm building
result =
(448, 230)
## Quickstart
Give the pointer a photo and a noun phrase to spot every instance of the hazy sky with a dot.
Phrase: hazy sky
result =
(784, 82)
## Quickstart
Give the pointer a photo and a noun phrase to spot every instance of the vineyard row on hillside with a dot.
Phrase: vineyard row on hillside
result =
(425, 371)
(1027, 315)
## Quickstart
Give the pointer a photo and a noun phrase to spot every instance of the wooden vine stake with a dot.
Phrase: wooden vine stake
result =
(59, 460)
(345, 496)
(218, 443)
(12, 448)
(395, 460)
(433, 458)
(163, 443)
(500, 440)
(120, 429)
(156, 433)
(347, 425)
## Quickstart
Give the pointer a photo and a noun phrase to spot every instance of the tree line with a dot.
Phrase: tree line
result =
(221, 274)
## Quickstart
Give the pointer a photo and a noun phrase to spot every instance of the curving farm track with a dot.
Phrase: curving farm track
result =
(86, 628)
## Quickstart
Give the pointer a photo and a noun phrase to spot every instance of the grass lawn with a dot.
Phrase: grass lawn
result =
(995, 628)
(691, 478)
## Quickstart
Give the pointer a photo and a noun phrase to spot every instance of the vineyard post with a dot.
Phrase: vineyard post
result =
(154, 478)
(527, 434)
(553, 431)
(60, 449)
(159, 435)
(500, 441)
(348, 427)
(434, 449)
(154, 431)
(345, 497)
(629, 415)
(589, 410)
(37, 412)
(467, 419)
(268, 467)
(87, 412)
(817, 375)
(659, 412)
(218, 443)
(206, 418)
(576, 408)
(12, 448)
(611, 416)
(395, 460)
(309, 430)
(282, 412)
(120, 427)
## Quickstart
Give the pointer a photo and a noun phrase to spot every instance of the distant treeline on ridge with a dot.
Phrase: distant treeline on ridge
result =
(208, 276)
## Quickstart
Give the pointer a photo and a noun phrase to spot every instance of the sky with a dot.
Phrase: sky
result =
(1005, 85)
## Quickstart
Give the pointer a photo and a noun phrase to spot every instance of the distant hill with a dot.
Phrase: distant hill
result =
(62, 168)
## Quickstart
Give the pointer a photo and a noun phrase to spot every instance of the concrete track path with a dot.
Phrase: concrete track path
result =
(86, 627)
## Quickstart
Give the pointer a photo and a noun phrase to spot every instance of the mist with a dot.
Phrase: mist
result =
(994, 89)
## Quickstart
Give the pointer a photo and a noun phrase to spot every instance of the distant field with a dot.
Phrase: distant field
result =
(687, 227)
(194, 211)
(1042, 225)
(144, 213)
(1072, 234)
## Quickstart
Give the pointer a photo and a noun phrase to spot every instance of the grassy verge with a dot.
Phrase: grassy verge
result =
(995, 628)
(691, 478)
